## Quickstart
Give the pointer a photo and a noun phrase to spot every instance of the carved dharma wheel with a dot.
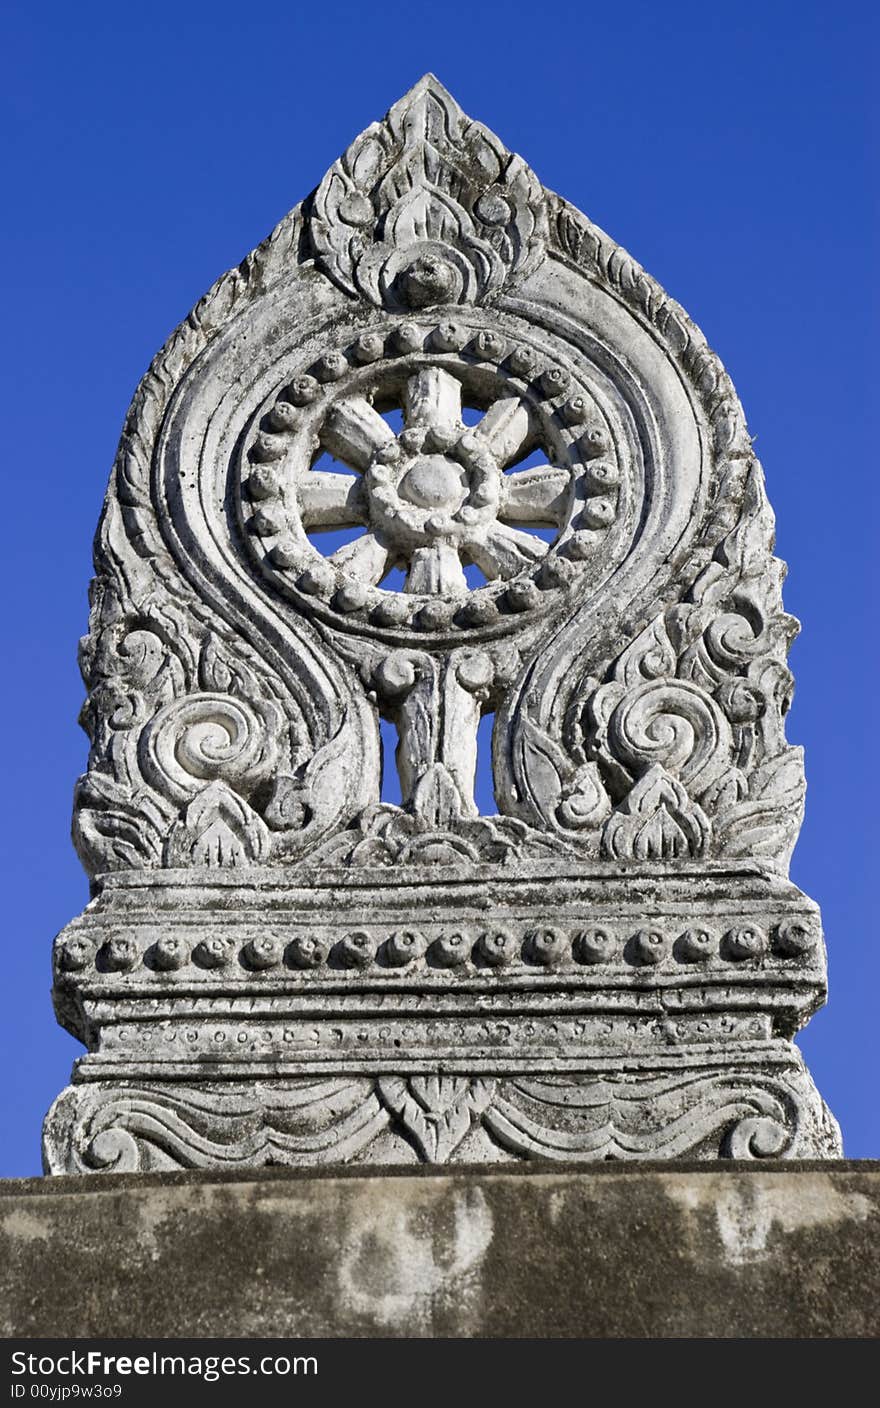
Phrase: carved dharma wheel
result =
(438, 449)
(440, 495)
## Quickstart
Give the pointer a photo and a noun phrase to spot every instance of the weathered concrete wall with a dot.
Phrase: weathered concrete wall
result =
(539, 1251)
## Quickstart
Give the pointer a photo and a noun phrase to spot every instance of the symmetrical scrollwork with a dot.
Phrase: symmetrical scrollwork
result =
(437, 450)
(698, 693)
(697, 1114)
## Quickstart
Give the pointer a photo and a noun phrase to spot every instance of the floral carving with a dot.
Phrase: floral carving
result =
(388, 836)
(218, 828)
(687, 729)
(114, 827)
(427, 207)
(656, 821)
(436, 1112)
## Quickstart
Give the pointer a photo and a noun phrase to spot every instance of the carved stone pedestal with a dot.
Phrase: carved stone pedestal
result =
(340, 1019)
(438, 450)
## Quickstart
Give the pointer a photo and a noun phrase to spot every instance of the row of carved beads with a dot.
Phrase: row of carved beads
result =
(519, 361)
(545, 947)
(527, 593)
(547, 384)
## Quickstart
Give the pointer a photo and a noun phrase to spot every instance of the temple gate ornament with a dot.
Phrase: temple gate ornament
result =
(506, 418)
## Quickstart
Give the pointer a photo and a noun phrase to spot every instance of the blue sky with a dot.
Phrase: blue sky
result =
(149, 148)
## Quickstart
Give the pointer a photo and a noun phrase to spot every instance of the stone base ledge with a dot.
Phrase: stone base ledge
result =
(537, 1251)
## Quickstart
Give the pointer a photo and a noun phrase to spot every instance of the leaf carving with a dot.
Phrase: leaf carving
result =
(436, 1111)
(541, 770)
(585, 802)
(767, 821)
(114, 829)
(650, 657)
(436, 797)
(656, 821)
(219, 830)
(310, 795)
(223, 673)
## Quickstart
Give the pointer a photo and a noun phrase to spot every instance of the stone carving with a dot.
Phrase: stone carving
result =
(311, 1121)
(427, 208)
(437, 450)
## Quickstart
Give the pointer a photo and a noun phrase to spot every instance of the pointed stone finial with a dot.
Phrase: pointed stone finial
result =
(427, 207)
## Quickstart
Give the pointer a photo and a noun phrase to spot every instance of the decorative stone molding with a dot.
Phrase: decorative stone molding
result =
(449, 367)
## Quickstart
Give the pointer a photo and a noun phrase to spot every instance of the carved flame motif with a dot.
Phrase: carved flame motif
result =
(427, 207)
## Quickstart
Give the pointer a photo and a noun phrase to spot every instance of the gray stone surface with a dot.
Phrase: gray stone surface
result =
(276, 965)
(606, 1252)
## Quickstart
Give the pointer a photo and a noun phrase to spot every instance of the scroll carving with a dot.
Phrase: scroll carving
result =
(693, 712)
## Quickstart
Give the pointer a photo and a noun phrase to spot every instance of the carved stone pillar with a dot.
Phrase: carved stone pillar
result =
(276, 966)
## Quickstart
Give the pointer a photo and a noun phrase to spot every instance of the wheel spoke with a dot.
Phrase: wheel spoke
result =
(354, 431)
(436, 569)
(331, 500)
(506, 427)
(503, 551)
(537, 495)
(433, 397)
(365, 559)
